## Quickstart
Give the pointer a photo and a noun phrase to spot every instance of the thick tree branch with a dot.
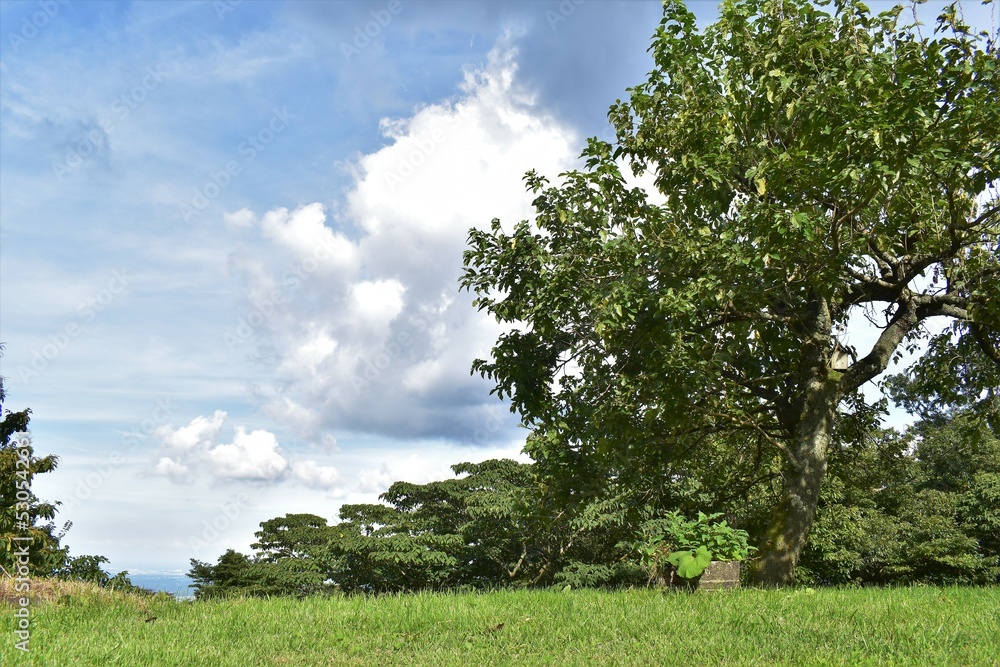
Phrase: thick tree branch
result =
(991, 212)
(878, 359)
(988, 347)
(911, 310)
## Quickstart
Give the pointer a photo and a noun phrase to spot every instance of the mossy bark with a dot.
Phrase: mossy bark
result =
(805, 465)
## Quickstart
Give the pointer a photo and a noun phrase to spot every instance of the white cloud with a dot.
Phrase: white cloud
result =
(253, 455)
(304, 232)
(286, 411)
(200, 432)
(177, 472)
(375, 481)
(383, 345)
(314, 475)
(241, 218)
(305, 355)
(192, 452)
(377, 301)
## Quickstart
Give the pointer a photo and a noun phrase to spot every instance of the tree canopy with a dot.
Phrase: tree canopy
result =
(802, 168)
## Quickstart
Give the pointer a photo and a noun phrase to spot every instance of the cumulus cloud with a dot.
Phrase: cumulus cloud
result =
(193, 452)
(316, 476)
(373, 337)
(168, 467)
(200, 432)
(253, 455)
(304, 232)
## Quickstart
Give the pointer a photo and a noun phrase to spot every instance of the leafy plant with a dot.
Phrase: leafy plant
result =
(689, 546)
(690, 563)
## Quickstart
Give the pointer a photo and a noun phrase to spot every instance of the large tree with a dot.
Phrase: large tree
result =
(801, 168)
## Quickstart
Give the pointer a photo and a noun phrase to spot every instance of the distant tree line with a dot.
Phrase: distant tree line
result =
(922, 506)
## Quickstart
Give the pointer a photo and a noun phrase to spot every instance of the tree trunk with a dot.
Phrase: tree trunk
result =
(805, 463)
(803, 476)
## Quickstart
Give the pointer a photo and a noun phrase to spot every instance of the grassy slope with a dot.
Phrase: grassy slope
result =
(918, 626)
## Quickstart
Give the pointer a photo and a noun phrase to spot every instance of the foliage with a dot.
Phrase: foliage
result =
(801, 168)
(476, 530)
(293, 556)
(690, 563)
(497, 525)
(28, 517)
(689, 545)
(917, 507)
(955, 375)
(913, 507)
(89, 569)
(230, 575)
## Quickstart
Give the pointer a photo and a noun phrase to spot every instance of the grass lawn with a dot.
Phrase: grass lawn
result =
(904, 626)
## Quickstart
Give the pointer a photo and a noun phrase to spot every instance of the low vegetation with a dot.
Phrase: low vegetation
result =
(845, 626)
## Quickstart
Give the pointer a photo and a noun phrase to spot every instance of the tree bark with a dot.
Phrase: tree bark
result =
(805, 465)
(803, 477)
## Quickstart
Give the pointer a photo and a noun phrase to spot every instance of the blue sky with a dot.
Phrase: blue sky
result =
(231, 232)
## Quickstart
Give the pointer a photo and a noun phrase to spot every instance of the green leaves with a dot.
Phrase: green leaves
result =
(913, 507)
(22, 513)
(689, 545)
(690, 563)
(807, 166)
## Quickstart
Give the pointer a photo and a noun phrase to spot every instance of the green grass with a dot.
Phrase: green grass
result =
(912, 626)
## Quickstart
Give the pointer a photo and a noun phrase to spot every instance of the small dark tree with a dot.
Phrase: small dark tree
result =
(293, 555)
(470, 531)
(90, 569)
(230, 575)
